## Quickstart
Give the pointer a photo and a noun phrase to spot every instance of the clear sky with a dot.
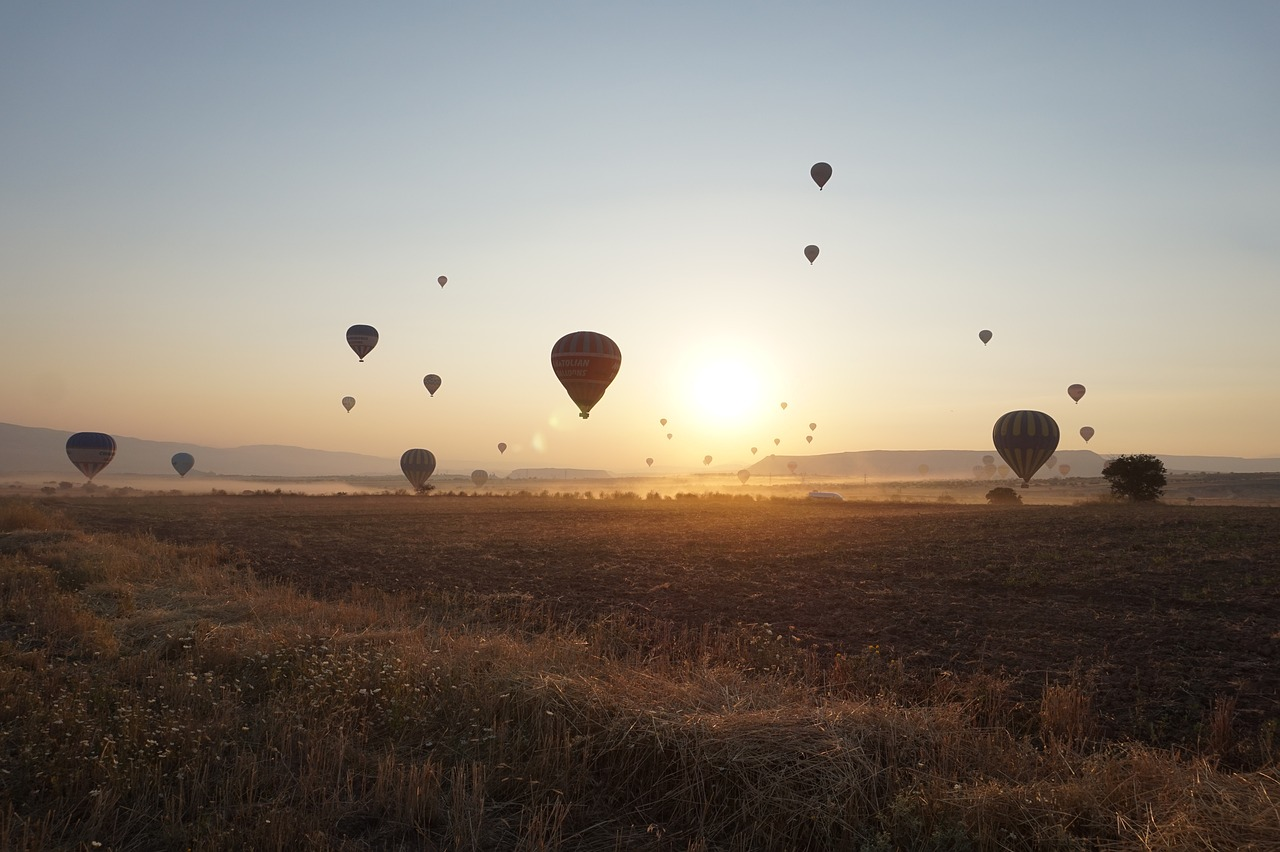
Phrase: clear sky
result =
(196, 201)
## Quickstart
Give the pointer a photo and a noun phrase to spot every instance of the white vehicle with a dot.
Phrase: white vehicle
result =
(825, 495)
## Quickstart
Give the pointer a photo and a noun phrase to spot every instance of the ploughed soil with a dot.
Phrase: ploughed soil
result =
(1161, 610)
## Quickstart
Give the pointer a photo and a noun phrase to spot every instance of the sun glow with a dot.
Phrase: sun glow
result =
(725, 390)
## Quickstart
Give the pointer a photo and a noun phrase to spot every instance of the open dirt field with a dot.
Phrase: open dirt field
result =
(1160, 611)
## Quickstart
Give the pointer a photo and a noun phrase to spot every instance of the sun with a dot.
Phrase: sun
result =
(724, 390)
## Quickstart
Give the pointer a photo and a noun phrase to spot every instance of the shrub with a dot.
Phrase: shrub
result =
(1140, 478)
(1003, 496)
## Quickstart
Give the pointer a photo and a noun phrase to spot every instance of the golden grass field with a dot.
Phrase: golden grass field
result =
(699, 673)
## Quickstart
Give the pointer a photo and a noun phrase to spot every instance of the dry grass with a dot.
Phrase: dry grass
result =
(157, 696)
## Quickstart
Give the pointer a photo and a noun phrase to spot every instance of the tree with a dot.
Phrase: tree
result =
(1003, 497)
(1140, 477)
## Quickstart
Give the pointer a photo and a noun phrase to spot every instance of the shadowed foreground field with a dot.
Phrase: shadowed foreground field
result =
(699, 673)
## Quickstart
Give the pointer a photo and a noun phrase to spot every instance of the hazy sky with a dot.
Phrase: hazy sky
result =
(199, 199)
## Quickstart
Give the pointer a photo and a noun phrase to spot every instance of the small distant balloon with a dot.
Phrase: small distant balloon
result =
(809, 438)
(811, 252)
(924, 469)
(784, 406)
(821, 173)
(777, 441)
(90, 452)
(988, 460)
(706, 459)
(1051, 463)
(1075, 392)
(585, 362)
(791, 466)
(1064, 469)
(502, 448)
(754, 450)
(649, 462)
(1086, 432)
(984, 336)
(418, 465)
(479, 477)
(668, 436)
(362, 339)
(182, 463)
(1002, 470)
(348, 402)
(1025, 440)
(431, 382)
(442, 280)
(662, 422)
(813, 426)
(744, 475)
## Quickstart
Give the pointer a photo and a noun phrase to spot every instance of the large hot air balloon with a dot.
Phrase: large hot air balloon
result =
(585, 362)
(791, 466)
(706, 459)
(362, 339)
(479, 477)
(91, 452)
(649, 462)
(744, 475)
(418, 465)
(431, 382)
(348, 402)
(1086, 432)
(821, 173)
(1064, 469)
(984, 336)
(809, 438)
(663, 421)
(1075, 392)
(442, 281)
(811, 252)
(182, 463)
(754, 450)
(502, 448)
(924, 469)
(1026, 440)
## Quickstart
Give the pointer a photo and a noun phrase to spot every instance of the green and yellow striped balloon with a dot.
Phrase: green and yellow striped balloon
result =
(1025, 440)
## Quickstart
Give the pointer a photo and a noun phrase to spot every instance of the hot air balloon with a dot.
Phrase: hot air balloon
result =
(1051, 463)
(924, 469)
(348, 402)
(821, 173)
(502, 448)
(585, 362)
(91, 452)
(1026, 440)
(984, 336)
(431, 382)
(442, 281)
(754, 450)
(362, 339)
(668, 436)
(479, 477)
(988, 460)
(777, 441)
(1075, 392)
(663, 422)
(784, 406)
(744, 475)
(811, 252)
(813, 426)
(1002, 470)
(977, 470)
(706, 459)
(182, 463)
(809, 438)
(1064, 469)
(418, 465)
(1086, 432)
(649, 462)
(791, 466)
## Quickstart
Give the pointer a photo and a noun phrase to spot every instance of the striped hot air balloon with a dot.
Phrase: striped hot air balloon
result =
(1025, 440)
(91, 452)
(585, 362)
(362, 339)
(418, 465)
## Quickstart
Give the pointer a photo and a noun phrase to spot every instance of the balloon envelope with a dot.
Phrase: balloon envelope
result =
(668, 436)
(744, 475)
(984, 336)
(348, 402)
(791, 466)
(182, 463)
(418, 465)
(1086, 432)
(988, 459)
(362, 339)
(809, 438)
(649, 462)
(502, 448)
(811, 252)
(585, 362)
(924, 468)
(442, 281)
(663, 421)
(821, 173)
(1026, 440)
(813, 426)
(1075, 392)
(91, 452)
(754, 450)
(784, 406)
(479, 477)
(1064, 469)
(777, 441)
(431, 382)
(706, 459)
